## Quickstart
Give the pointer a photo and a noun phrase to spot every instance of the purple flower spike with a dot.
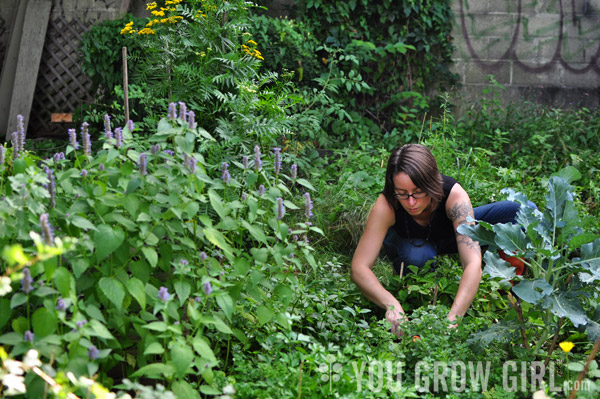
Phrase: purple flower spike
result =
(83, 173)
(27, 281)
(61, 305)
(244, 197)
(108, 136)
(143, 164)
(47, 232)
(207, 288)
(15, 144)
(163, 294)
(245, 160)
(101, 167)
(118, 137)
(169, 152)
(130, 125)
(226, 177)
(172, 111)
(184, 262)
(2, 155)
(203, 256)
(51, 186)
(193, 165)
(182, 111)
(280, 208)
(257, 160)
(81, 323)
(294, 171)
(107, 127)
(308, 206)
(191, 120)
(261, 190)
(85, 139)
(277, 161)
(93, 352)
(29, 336)
(59, 156)
(73, 139)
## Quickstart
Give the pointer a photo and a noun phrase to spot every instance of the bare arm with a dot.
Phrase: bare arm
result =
(458, 207)
(380, 220)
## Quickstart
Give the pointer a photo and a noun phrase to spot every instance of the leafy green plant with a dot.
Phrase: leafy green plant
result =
(562, 260)
(177, 263)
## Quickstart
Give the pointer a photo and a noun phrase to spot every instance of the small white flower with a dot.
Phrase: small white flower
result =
(5, 287)
(13, 367)
(228, 389)
(14, 384)
(31, 359)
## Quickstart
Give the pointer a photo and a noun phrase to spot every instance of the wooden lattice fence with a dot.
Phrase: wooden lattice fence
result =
(61, 85)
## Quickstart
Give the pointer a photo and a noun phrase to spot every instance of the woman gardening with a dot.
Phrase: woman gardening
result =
(416, 218)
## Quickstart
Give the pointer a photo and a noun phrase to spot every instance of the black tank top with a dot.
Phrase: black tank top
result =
(441, 226)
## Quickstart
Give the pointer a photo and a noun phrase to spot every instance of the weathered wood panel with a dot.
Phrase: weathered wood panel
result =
(30, 54)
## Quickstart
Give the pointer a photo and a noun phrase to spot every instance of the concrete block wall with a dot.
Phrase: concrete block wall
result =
(545, 50)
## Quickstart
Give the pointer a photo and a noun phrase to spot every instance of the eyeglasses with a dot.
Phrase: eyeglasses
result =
(405, 196)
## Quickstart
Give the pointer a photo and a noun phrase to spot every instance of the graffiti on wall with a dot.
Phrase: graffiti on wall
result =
(569, 35)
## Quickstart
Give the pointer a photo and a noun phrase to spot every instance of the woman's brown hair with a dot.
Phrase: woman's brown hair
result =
(420, 165)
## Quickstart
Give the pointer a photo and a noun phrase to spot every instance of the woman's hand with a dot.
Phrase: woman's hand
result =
(395, 317)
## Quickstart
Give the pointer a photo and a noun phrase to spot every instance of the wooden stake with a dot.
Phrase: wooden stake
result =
(125, 85)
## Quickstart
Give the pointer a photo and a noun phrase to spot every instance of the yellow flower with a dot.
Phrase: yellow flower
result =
(146, 31)
(151, 6)
(566, 346)
(252, 42)
(158, 13)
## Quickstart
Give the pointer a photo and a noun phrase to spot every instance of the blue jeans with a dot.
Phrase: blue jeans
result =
(420, 251)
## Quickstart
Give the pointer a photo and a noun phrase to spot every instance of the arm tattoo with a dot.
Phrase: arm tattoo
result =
(459, 213)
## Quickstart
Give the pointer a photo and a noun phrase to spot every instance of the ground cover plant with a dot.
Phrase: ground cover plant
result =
(204, 250)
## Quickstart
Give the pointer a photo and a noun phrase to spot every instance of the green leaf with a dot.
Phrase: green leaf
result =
(498, 268)
(510, 237)
(17, 300)
(569, 174)
(202, 347)
(500, 332)
(217, 203)
(566, 304)
(226, 304)
(590, 256)
(107, 240)
(182, 289)
(479, 232)
(159, 326)
(153, 348)
(151, 255)
(133, 185)
(256, 232)
(137, 290)
(264, 314)
(82, 223)
(44, 322)
(305, 183)
(181, 356)
(183, 389)
(113, 289)
(533, 291)
(5, 312)
(218, 239)
(155, 370)
(98, 329)
(64, 281)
